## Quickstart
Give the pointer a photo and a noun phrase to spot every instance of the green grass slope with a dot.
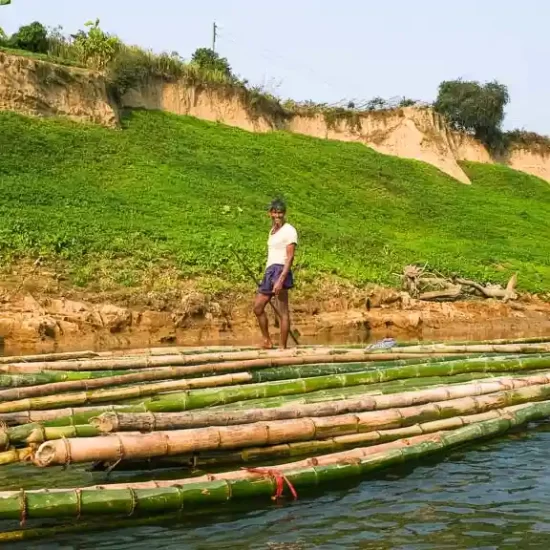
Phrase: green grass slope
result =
(175, 192)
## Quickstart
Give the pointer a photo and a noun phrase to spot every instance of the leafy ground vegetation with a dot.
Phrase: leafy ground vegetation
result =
(171, 194)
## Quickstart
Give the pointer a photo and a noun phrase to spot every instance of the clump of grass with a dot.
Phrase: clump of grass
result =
(172, 193)
(521, 139)
(352, 113)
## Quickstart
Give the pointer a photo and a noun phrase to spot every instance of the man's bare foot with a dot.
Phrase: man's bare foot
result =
(267, 344)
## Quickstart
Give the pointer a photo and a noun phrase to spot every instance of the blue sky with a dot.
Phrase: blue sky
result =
(329, 51)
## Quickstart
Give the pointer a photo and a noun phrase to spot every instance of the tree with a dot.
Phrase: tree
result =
(474, 107)
(95, 47)
(33, 38)
(208, 59)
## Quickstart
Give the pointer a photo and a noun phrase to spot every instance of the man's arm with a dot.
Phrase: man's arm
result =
(290, 250)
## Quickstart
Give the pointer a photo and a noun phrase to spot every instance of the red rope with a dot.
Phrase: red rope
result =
(279, 478)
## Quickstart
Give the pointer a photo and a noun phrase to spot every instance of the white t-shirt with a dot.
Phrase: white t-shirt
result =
(277, 243)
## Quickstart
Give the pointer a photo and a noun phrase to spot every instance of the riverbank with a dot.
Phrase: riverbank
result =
(39, 313)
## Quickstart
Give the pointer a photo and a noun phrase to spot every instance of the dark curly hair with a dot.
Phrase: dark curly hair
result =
(277, 204)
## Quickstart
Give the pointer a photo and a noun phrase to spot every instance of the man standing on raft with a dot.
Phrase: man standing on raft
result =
(278, 279)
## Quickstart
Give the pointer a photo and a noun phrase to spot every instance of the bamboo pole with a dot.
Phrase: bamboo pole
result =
(12, 455)
(498, 341)
(143, 422)
(121, 393)
(324, 354)
(291, 450)
(71, 416)
(475, 348)
(148, 361)
(168, 443)
(89, 354)
(72, 381)
(229, 387)
(24, 380)
(204, 363)
(49, 357)
(382, 388)
(164, 496)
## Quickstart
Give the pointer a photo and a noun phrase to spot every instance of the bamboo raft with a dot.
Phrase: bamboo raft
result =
(234, 424)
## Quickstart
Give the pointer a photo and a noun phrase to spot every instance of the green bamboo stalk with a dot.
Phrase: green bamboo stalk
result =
(49, 377)
(272, 432)
(35, 433)
(39, 385)
(81, 415)
(165, 496)
(284, 383)
(143, 422)
(12, 455)
(205, 363)
(363, 389)
(120, 393)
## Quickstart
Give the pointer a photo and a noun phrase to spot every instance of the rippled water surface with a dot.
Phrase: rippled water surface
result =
(495, 494)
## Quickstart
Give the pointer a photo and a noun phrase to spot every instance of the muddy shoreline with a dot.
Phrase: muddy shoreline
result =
(35, 320)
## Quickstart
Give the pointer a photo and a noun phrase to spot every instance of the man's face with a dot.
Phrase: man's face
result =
(277, 216)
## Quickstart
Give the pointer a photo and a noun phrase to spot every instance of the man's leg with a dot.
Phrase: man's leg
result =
(285, 317)
(259, 310)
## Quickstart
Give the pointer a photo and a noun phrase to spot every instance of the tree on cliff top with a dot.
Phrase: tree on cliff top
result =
(208, 59)
(32, 38)
(474, 107)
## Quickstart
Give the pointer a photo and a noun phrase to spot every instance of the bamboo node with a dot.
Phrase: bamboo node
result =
(134, 498)
(120, 448)
(153, 422)
(23, 504)
(78, 493)
(278, 477)
(67, 444)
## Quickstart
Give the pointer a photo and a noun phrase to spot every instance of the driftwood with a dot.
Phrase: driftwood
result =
(428, 286)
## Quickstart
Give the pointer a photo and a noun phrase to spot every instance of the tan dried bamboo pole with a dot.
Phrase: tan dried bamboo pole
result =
(168, 443)
(149, 361)
(313, 447)
(49, 357)
(473, 348)
(173, 350)
(142, 422)
(196, 366)
(353, 456)
(81, 415)
(122, 393)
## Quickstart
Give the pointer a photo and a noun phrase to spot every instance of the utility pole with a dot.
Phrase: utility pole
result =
(214, 35)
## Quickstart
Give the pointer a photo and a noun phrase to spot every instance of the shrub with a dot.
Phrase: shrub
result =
(95, 47)
(208, 59)
(32, 38)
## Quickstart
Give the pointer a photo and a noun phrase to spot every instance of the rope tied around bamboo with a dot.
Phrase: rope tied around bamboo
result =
(279, 478)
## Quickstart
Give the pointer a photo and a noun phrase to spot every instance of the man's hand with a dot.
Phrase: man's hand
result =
(277, 287)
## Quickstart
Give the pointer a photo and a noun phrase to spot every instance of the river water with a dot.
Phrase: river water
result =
(494, 494)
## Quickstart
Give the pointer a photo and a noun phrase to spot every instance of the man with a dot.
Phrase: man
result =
(278, 278)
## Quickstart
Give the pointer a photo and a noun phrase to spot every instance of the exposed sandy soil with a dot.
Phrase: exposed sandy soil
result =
(37, 315)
